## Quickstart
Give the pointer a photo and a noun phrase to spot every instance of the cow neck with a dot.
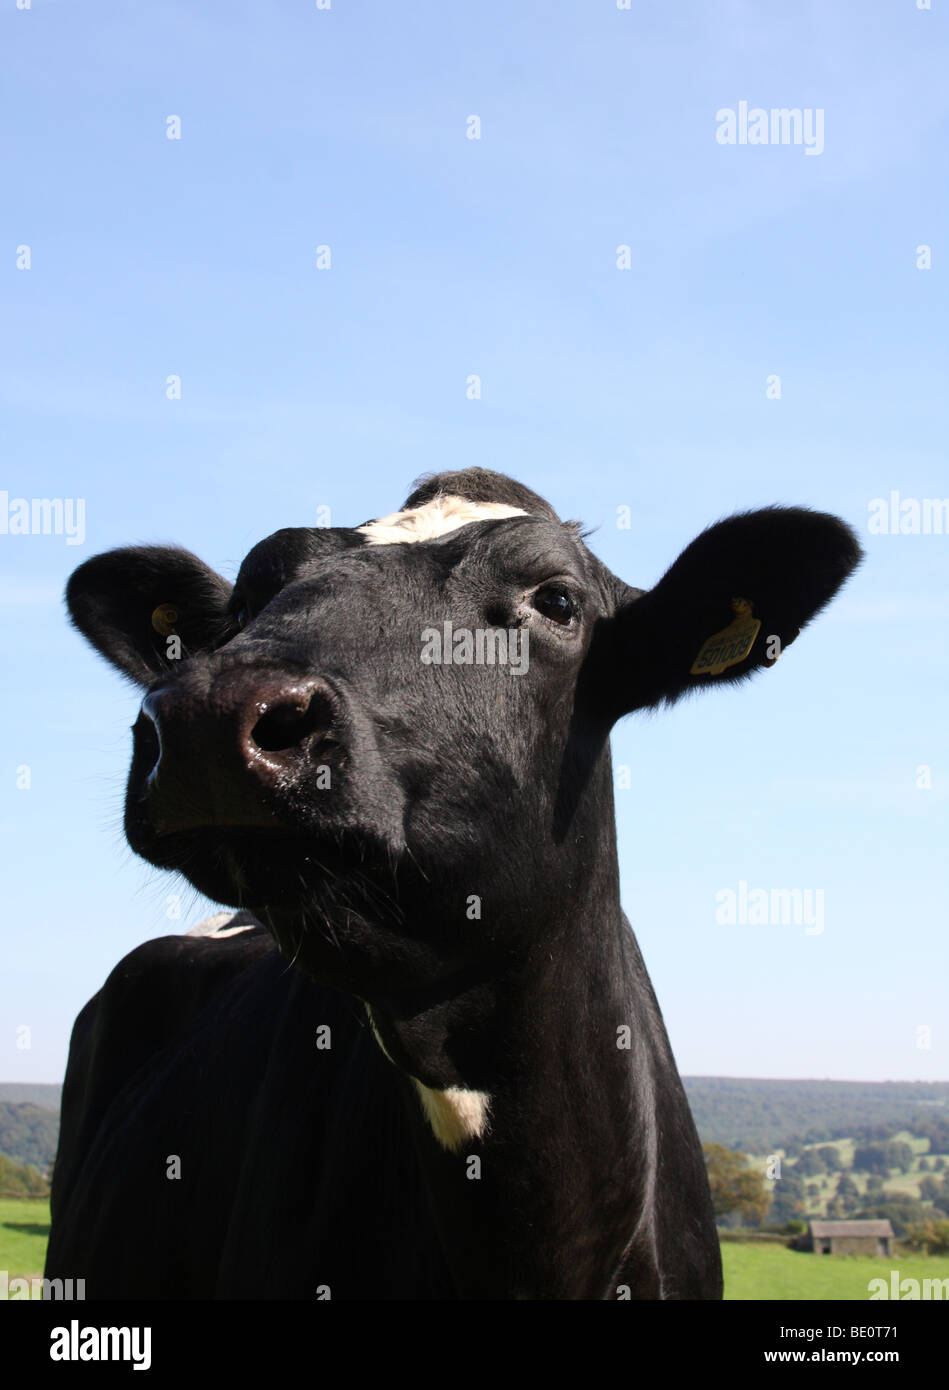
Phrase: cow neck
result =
(532, 1092)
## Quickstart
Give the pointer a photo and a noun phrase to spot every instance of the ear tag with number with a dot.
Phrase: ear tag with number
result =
(731, 645)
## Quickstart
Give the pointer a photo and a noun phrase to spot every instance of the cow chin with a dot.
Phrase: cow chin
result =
(340, 910)
(330, 901)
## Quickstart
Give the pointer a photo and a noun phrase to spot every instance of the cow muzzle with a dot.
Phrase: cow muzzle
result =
(237, 749)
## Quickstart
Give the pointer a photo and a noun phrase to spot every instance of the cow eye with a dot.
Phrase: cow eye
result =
(242, 616)
(555, 603)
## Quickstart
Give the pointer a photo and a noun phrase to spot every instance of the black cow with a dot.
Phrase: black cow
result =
(396, 757)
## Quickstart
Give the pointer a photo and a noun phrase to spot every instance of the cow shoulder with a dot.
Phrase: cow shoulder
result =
(147, 1004)
(154, 993)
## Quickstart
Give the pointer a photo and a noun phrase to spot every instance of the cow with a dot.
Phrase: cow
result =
(421, 1058)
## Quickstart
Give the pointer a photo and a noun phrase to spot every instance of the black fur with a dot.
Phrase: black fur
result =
(447, 784)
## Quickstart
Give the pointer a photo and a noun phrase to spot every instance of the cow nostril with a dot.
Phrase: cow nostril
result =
(292, 720)
(146, 744)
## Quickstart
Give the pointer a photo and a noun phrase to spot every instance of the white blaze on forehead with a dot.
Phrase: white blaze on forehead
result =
(434, 518)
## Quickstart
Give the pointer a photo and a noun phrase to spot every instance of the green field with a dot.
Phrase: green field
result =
(752, 1272)
(764, 1272)
(24, 1229)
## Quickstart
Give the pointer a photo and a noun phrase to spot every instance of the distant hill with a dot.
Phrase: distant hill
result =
(36, 1093)
(754, 1115)
(760, 1116)
(19, 1180)
(28, 1134)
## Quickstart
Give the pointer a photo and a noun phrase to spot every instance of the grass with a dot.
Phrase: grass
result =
(24, 1230)
(754, 1271)
(771, 1272)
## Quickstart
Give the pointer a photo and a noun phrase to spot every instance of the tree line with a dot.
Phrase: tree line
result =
(790, 1194)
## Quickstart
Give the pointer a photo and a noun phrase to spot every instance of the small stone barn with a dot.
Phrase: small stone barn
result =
(849, 1238)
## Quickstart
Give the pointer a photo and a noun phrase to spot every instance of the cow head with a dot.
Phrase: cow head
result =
(390, 742)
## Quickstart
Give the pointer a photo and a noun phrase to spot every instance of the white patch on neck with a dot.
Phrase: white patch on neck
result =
(456, 1116)
(435, 518)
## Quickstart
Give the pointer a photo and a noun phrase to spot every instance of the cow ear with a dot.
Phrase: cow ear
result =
(131, 604)
(734, 599)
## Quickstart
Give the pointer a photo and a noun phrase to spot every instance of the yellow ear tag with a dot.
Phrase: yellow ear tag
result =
(731, 645)
(164, 618)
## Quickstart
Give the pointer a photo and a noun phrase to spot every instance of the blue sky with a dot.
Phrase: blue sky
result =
(601, 388)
